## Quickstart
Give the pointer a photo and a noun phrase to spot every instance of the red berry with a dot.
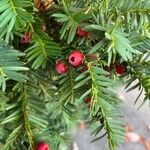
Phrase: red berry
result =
(82, 33)
(25, 39)
(87, 100)
(76, 58)
(42, 146)
(61, 67)
(120, 69)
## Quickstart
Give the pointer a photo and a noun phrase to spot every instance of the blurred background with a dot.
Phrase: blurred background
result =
(137, 126)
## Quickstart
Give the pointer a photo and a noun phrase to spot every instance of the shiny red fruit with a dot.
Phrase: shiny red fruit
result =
(120, 69)
(25, 39)
(76, 58)
(42, 146)
(82, 33)
(61, 67)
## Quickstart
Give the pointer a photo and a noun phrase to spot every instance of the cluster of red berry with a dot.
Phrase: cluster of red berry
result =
(75, 59)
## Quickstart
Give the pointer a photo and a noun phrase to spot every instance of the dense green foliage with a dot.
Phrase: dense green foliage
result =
(37, 104)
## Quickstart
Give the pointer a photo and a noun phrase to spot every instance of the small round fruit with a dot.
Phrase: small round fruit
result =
(120, 69)
(81, 33)
(42, 146)
(61, 67)
(25, 39)
(76, 58)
